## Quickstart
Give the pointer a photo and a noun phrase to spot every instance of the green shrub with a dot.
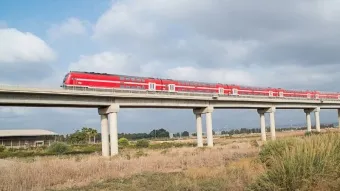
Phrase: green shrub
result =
(140, 153)
(313, 163)
(58, 148)
(142, 143)
(123, 142)
(2, 148)
(309, 133)
(276, 148)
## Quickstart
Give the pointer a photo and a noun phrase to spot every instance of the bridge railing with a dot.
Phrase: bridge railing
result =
(141, 91)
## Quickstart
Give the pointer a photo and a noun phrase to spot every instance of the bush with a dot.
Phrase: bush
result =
(140, 153)
(2, 148)
(58, 148)
(276, 148)
(123, 142)
(142, 143)
(309, 133)
(312, 163)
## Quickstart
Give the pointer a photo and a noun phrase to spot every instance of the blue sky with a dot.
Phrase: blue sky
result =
(240, 42)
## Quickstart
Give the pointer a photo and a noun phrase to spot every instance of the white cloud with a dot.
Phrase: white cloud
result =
(211, 75)
(17, 46)
(71, 26)
(105, 62)
(121, 20)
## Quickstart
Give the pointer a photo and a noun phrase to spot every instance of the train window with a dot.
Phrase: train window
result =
(171, 87)
(281, 94)
(121, 78)
(220, 90)
(122, 86)
(143, 80)
(270, 93)
(127, 78)
(138, 79)
(127, 86)
(235, 92)
(133, 79)
(152, 86)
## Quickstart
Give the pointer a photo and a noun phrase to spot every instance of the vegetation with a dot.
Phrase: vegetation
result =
(310, 162)
(142, 143)
(2, 148)
(135, 169)
(58, 148)
(123, 142)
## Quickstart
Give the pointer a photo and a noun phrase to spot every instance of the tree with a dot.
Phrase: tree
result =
(77, 137)
(185, 134)
(159, 133)
(90, 132)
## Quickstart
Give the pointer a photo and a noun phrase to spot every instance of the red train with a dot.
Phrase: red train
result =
(76, 79)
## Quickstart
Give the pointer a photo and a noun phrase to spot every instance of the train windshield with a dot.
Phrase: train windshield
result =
(65, 78)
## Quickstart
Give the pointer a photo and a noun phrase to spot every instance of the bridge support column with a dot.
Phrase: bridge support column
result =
(208, 111)
(338, 118)
(112, 111)
(271, 112)
(199, 130)
(262, 125)
(105, 135)
(308, 119)
(317, 119)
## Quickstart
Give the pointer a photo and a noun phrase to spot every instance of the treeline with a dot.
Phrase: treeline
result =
(258, 130)
(90, 135)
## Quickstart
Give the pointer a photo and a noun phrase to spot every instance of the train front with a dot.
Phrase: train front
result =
(66, 81)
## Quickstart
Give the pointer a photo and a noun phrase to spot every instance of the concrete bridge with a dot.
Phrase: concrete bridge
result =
(110, 101)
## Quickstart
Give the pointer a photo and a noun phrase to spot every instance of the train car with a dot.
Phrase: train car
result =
(253, 91)
(76, 79)
(197, 87)
(329, 95)
(92, 80)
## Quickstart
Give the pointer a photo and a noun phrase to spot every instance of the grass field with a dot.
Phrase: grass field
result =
(239, 163)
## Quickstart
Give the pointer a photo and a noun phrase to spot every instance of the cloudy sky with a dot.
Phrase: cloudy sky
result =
(287, 44)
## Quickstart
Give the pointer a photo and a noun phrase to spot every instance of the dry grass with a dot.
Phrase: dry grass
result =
(311, 163)
(60, 173)
(234, 176)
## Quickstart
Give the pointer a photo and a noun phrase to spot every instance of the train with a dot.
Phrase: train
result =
(105, 81)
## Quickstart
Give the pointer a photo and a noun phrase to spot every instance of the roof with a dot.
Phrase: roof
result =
(25, 132)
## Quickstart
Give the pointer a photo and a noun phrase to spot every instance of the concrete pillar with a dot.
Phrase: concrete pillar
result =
(208, 111)
(111, 111)
(338, 118)
(208, 121)
(105, 135)
(263, 127)
(271, 112)
(113, 133)
(199, 130)
(308, 121)
(272, 125)
(317, 119)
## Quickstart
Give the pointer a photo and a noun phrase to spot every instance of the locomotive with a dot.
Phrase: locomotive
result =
(104, 81)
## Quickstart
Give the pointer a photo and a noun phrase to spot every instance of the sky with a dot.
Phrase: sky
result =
(288, 44)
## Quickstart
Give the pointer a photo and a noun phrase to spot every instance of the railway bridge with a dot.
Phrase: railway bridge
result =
(109, 103)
